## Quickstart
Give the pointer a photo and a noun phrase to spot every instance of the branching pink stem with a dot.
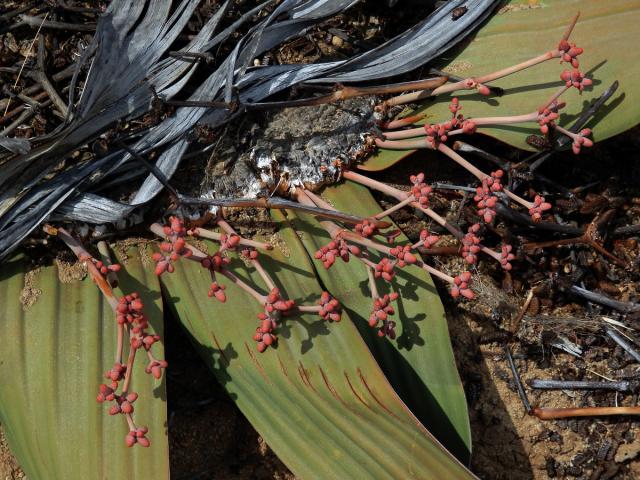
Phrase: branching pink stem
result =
(417, 143)
(309, 308)
(120, 344)
(76, 247)
(403, 122)
(553, 98)
(201, 232)
(263, 273)
(255, 262)
(460, 160)
(481, 121)
(372, 283)
(471, 83)
(396, 207)
(456, 157)
(564, 131)
(127, 375)
(112, 277)
(130, 422)
(198, 256)
(336, 232)
(400, 195)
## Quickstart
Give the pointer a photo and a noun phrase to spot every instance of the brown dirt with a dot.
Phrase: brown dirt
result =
(9, 468)
(70, 271)
(30, 292)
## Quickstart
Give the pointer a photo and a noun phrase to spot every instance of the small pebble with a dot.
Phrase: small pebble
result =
(337, 41)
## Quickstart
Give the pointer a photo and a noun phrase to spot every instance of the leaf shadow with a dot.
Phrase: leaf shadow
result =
(313, 328)
(219, 357)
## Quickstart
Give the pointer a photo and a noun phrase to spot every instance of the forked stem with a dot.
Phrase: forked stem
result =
(478, 82)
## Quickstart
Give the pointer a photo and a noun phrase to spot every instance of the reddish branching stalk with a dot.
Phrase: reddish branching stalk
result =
(565, 51)
(204, 233)
(342, 246)
(274, 306)
(132, 322)
(438, 134)
(401, 196)
(435, 136)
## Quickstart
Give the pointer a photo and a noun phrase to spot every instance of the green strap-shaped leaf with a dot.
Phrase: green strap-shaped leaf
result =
(52, 358)
(419, 363)
(319, 398)
(607, 30)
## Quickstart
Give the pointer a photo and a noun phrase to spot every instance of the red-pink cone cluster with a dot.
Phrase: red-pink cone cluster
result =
(367, 228)
(569, 53)
(130, 318)
(104, 268)
(129, 313)
(404, 255)
(329, 308)
(437, 133)
(471, 244)
(580, 140)
(215, 262)
(249, 253)
(275, 302)
(217, 291)
(427, 239)
(155, 368)
(264, 335)
(485, 197)
(173, 249)
(461, 286)
(548, 116)
(575, 78)
(385, 268)
(129, 310)
(420, 190)
(229, 242)
(138, 436)
(123, 404)
(539, 206)
(336, 249)
(382, 309)
(506, 256)
(482, 89)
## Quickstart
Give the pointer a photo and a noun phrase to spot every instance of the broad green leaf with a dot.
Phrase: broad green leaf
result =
(383, 158)
(607, 30)
(319, 398)
(52, 357)
(419, 363)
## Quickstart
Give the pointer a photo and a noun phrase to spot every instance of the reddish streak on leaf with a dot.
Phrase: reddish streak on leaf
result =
(222, 354)
(257, 363)
(283, 368)
(331, 388)
(364, 382)
(356, 393)
(304, 375)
